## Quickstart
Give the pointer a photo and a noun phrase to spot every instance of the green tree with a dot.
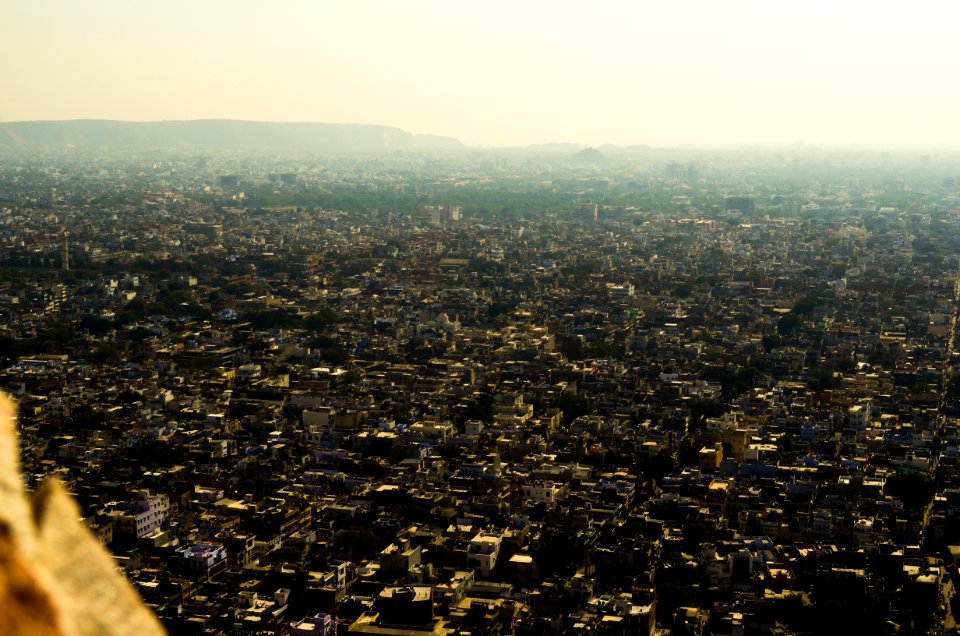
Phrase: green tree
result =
(915, 490)
(771, 342)
(88, 418)
(572, 405)
(806, 305)
(659, 466)
(321, 319)
(682, 290)
(788, 325)
(105, 354)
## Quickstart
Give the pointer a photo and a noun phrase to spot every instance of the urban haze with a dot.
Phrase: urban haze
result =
(478, 319)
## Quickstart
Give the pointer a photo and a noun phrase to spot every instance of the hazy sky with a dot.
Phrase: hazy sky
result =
(500, 73)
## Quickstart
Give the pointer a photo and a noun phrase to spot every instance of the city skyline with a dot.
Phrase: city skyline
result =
(740, 73)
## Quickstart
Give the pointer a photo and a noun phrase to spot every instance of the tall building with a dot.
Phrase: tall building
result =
(681, 172)
(441, 212)
(744, 205)
(229, 181)
(588, 212)
(65, 252)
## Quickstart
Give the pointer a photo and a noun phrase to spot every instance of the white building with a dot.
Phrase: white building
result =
(145, 514)
(482, 553)
(545, 492)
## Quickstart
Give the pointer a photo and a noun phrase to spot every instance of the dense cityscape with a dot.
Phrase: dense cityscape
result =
(555, 391)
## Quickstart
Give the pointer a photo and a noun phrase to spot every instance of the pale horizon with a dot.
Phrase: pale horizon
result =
(494, 75)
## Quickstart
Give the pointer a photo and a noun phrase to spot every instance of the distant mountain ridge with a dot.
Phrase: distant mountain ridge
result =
(216, 134)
